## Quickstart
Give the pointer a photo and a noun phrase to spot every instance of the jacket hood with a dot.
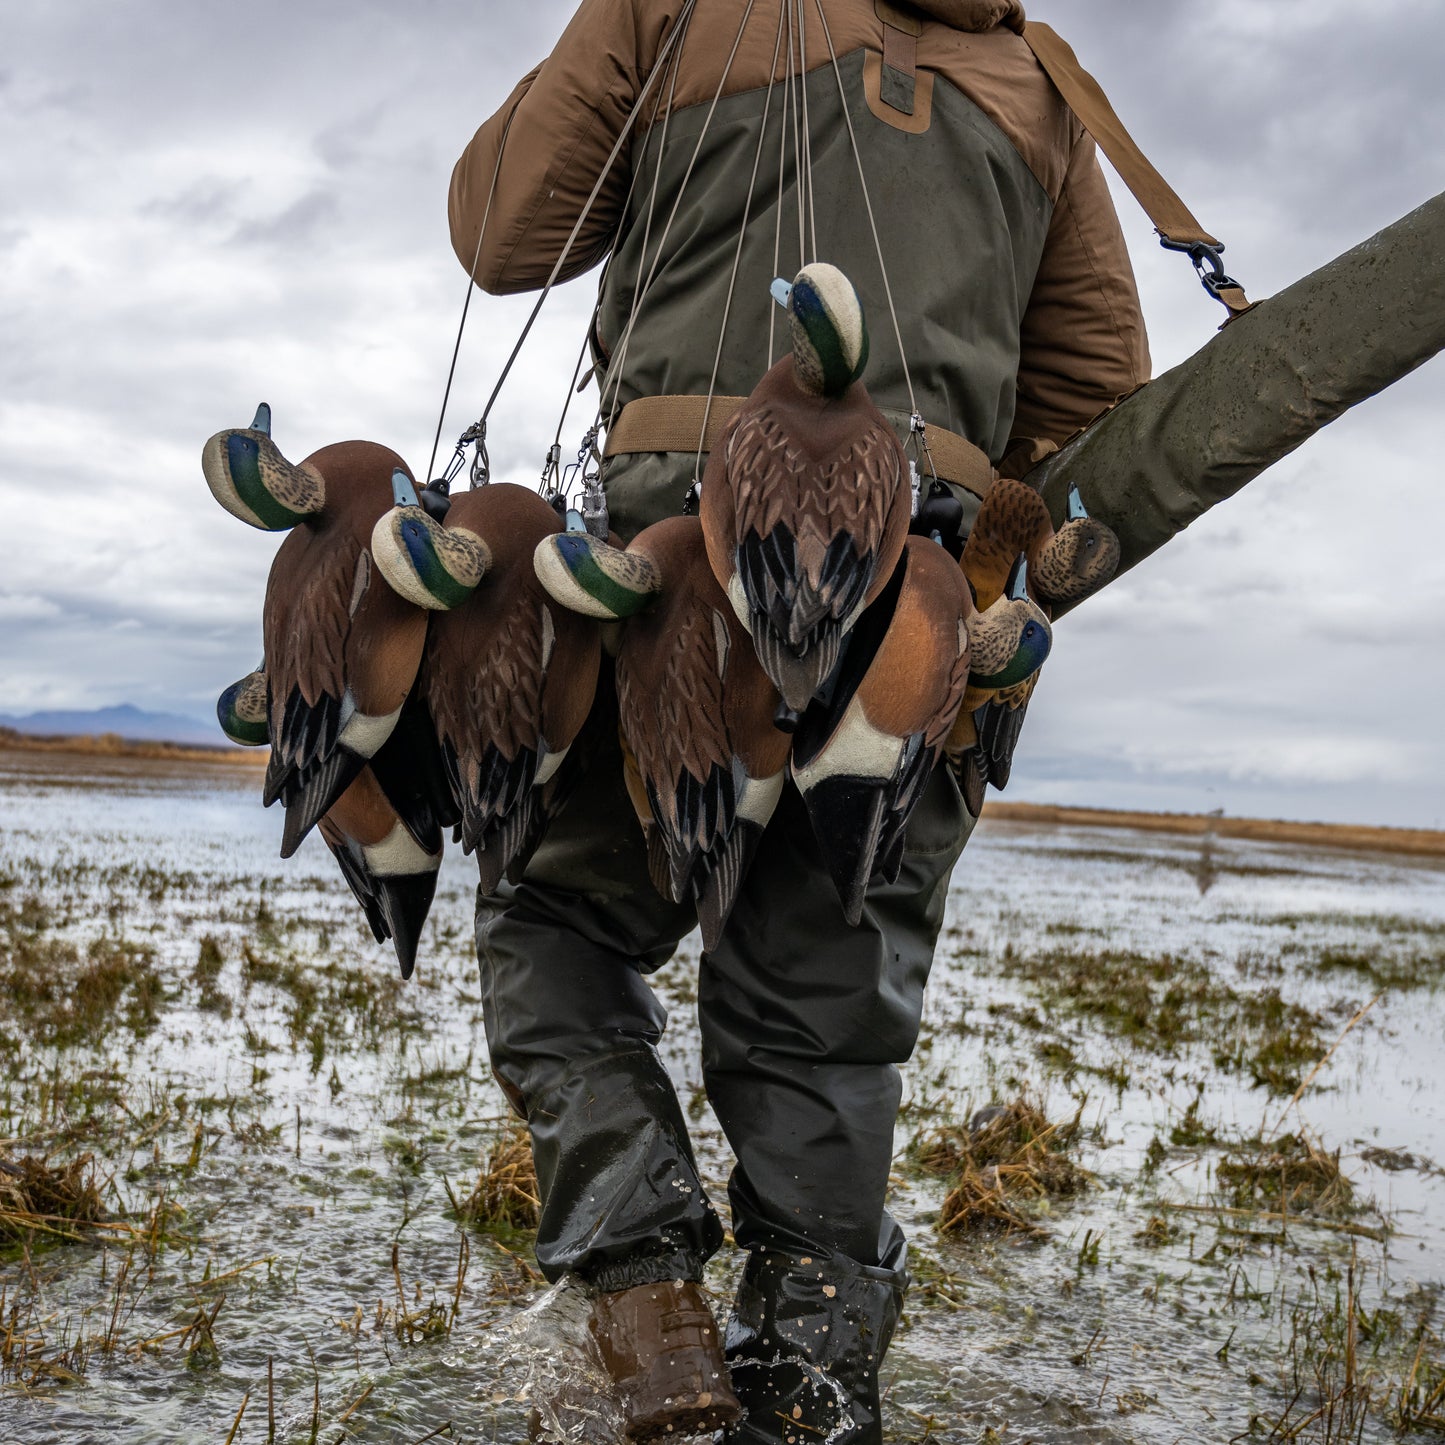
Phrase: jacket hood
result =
(974, 14)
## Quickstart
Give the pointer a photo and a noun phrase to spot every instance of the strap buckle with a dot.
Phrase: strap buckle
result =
(1208, 262)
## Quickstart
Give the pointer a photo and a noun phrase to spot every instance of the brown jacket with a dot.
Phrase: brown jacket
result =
(1015, 296)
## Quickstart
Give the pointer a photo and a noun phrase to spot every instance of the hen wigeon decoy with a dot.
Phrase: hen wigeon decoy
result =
(507, 675)
(341, 651)
(1013, 552)
(705, 762)
(806, 498)
(862, 758)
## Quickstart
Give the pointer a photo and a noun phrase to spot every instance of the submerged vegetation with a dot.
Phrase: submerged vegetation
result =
(254, 1187)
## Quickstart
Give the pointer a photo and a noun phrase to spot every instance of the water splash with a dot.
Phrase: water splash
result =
(561, 1371)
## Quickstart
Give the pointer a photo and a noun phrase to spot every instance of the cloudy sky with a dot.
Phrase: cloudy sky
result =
(208, 204)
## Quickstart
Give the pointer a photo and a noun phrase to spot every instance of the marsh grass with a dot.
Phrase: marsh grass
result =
(1164, 1004)
(46, 1202)
(56, 993)
(1290, 1175)
(1007, 1161)
(506, 1195)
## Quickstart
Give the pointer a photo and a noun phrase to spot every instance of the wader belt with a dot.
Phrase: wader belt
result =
(1173, 220)
(675, 424)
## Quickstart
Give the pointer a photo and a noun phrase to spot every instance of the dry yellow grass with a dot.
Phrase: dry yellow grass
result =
(1422, 842)
(1010, 1157)
(506, 1195)
(36, 1199)
(111, 745)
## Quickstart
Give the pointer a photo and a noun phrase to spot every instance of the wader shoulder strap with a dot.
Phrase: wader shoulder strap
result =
(674, 424)
(1176, 224)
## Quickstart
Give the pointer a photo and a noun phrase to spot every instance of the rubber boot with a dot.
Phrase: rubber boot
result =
(663, 1349)
(805, 1344)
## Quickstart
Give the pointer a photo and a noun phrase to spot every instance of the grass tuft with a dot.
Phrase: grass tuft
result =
(1009, 1157)
(506, 1195)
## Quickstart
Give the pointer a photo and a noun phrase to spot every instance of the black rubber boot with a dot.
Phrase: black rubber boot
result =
(804, 1346)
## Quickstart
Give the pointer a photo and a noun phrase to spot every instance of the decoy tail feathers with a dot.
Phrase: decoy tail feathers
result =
(410, 772)
(505, 846)
(430, 565)
(493, 793)
(396, 904)
(794, 604)
(716, 890)
(250, 478)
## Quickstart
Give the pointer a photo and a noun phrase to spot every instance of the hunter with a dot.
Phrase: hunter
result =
(1021, 322)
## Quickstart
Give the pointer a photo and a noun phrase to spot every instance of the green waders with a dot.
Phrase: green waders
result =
(804, 1022)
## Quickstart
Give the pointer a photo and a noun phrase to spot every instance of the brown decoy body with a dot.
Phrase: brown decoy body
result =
(508, 676)
(863, 756)
(705, 762)
(806, 498)
(342, 649)
(1013, 548)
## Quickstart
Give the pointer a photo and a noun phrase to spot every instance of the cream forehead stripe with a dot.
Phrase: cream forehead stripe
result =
(829, 334)
(840, 303)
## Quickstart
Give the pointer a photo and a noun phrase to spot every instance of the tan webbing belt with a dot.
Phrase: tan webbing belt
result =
(1173, 220)
(674, 424)
(899, 84)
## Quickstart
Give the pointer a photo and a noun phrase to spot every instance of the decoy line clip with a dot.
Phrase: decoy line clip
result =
(1208, 263)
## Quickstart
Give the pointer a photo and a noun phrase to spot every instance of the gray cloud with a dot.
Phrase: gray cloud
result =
(208, 206)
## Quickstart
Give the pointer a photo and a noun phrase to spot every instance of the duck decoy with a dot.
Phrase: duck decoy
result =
(1064, 566)
(242, 710)
(507, 676)
(1057, 568)
(388, 868)
(393, 876)
(862, 757)
(341, 653)
(806, 498)
(704, 763)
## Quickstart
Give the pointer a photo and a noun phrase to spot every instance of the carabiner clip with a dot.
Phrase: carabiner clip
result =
(1209, 265)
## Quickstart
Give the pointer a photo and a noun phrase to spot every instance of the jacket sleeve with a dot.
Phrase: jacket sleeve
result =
(1083, 343)
(547, 145)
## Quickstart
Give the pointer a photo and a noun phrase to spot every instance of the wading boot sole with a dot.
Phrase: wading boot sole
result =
(661, 1345)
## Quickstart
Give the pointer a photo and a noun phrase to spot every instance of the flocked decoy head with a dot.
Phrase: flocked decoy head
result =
(243, 712)
(863, 758)
(508, 677)
(1064, 566)
(806, 498)
(341, 652)
(828, 329)
(705, 763)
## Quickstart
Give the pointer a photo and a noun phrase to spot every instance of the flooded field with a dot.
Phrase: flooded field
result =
(253, 1187)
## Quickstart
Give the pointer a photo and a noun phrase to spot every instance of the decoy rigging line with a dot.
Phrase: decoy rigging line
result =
(467, 303)
(738, 253)
(619, 360)
(664, 56)
(615, 373)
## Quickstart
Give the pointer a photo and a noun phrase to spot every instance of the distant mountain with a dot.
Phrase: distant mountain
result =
(126, 720)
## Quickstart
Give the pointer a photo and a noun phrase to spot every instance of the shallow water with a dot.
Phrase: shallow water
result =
(303, 1112)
